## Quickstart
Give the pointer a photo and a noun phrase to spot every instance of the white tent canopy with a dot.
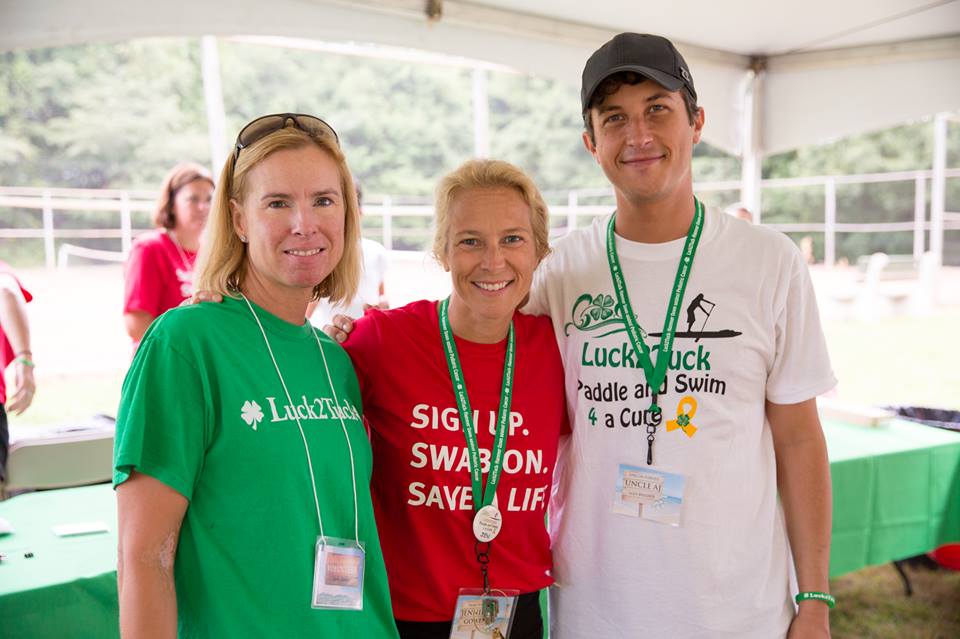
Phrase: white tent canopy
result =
(824, 69)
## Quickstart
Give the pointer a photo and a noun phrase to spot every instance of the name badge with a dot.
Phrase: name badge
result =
(338, 574)
(647, 493)
(482, 615)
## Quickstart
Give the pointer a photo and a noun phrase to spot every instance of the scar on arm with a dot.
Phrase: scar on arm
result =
(167, 553)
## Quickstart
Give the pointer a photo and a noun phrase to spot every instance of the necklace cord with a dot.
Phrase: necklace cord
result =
(303, 437)
(187, 267)
(343, 426)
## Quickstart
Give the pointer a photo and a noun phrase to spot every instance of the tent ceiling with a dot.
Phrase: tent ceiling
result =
(749, 27)
(832, 68)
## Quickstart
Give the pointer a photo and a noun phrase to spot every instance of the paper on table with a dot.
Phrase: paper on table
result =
(80, 528)
(852, 413)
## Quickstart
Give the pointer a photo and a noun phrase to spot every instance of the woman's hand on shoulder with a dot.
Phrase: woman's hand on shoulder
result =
(202, 296)
(340, 328)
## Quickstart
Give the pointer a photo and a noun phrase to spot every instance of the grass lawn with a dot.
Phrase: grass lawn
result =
(899, 361)
(871, 604)
(62, 398)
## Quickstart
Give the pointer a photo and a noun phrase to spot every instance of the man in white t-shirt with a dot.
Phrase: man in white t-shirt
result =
(667, 521)
(371, 291)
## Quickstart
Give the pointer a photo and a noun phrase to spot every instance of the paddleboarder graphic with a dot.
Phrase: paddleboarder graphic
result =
(698, 302)
(602, 316)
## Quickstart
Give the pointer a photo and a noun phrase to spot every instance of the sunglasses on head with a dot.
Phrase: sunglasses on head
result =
(267, 124)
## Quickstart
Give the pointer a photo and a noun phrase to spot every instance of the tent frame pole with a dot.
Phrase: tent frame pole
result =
(213, 98)
(751, 145)
(938, 184)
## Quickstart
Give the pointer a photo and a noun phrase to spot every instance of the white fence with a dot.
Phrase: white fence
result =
(127, 204)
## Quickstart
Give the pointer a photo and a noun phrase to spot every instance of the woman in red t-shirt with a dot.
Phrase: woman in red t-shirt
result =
(160, 266)
(491, 234)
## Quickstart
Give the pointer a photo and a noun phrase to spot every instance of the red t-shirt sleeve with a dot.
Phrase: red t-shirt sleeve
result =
(365, 347)
(144, 282)
(6, 350)
(5, 268)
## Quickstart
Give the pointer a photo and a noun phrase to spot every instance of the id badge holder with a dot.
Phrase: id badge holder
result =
(482, 615)
(338, 574)
(649, 493)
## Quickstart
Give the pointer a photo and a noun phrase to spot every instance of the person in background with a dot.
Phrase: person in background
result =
(241, 463)
(741, 212)
(159, 269)
(806, 249)
(372, 290)
(15, 348)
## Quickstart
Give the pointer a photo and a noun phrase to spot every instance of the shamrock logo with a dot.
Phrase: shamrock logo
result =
(602, 307)
(594, 312)
(251, 413)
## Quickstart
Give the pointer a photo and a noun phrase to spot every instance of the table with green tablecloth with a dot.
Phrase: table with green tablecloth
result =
(68, 588)
(896, 493)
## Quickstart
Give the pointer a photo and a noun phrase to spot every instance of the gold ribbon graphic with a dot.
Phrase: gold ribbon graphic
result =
(686, 409)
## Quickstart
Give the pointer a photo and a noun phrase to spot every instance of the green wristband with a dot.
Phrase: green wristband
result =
(25, 361)
(825, 597)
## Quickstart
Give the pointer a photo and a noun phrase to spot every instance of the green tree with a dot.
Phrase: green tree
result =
(101, 115)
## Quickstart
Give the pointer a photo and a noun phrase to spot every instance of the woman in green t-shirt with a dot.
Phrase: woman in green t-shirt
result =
(242, 474)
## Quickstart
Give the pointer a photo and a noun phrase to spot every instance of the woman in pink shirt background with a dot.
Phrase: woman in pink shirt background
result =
(160, 266)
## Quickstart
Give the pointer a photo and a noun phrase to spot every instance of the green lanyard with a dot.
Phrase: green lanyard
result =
(466, 415)
(655, 374)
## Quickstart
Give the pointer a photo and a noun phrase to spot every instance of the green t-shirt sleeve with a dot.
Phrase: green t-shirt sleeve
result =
(162, 419)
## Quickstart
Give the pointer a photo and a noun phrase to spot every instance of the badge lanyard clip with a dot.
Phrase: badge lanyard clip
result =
(652, 432)
(488, 603)
(482, 550)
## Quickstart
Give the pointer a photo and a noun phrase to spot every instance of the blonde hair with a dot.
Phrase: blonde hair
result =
(222, 262)
(179, 176)
(485, 174)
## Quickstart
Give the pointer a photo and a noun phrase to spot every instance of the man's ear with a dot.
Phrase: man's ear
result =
(589, 145)
(698, 123)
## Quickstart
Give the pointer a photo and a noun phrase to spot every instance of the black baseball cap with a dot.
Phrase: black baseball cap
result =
(651, 56)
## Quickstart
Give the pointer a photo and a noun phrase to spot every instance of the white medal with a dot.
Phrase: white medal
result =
(487, 523)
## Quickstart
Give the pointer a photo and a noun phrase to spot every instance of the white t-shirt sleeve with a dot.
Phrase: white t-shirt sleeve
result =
(538, 304)
(801, 368)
